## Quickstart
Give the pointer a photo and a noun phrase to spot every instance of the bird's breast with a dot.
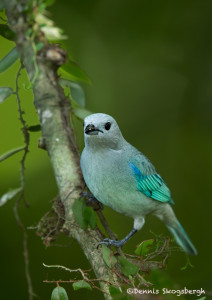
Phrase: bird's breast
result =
(110, 179)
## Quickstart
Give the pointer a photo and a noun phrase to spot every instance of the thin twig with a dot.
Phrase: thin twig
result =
(83, 274)
(107, 228)
(21, 196)
(69, 270)
(110, 233)
(102, 219)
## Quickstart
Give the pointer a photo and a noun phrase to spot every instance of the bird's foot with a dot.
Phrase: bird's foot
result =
(109, 242)
(92, 201)
(121, 243)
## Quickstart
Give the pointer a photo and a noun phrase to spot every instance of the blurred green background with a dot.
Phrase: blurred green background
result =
(150, 63)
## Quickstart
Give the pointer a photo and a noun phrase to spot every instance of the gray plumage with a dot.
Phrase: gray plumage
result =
(121, 177)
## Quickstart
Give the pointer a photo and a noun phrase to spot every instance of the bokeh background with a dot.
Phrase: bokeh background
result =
(150, 63)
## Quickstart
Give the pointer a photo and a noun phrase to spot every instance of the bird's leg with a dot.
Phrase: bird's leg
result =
(92, 201)
(120, 243)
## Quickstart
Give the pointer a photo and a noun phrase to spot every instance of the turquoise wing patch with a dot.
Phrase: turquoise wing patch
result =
(152, 185)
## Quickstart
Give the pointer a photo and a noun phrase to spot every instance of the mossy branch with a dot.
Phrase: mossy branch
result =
(53, 109)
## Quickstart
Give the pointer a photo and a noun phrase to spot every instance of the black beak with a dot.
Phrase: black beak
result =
(92, 130)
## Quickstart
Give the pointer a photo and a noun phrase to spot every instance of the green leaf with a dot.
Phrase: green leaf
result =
(59, 293)
(108, 257)
(9, 60)
(83, 214)
(114, 291)
(34, 128)
(6, 32)
(64, 82)
(74, 72)
(78, 94)
(29, 32)
(9, 195)
(39, 46)
(143, 248)
(81, 113)
(127, 267)
(90, 216)
(78, 211)
(10, 153)
(76, 90)
(202, 298)
(5, 92)
(41, 7)
(82, 284)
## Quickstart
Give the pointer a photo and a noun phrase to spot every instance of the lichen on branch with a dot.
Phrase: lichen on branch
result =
(53, 109)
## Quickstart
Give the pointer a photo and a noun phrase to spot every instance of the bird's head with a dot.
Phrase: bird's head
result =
(101, 130)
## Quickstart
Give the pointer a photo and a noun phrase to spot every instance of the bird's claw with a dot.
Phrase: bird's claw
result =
(109, 242)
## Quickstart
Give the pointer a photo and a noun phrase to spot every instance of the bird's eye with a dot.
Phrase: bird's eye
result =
(107, 125)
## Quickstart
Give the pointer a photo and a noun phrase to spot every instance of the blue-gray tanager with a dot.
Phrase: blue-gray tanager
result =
(121, 177)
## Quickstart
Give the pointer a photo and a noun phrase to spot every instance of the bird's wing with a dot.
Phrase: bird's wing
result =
(152, 185)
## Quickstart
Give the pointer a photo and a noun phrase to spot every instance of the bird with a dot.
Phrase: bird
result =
(123, 178)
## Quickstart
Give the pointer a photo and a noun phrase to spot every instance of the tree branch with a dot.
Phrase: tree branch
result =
(54, 112)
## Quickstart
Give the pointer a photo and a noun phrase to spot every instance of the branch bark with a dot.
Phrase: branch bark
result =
(54, 112)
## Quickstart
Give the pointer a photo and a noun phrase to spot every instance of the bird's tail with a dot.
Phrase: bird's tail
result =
(182, 238)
